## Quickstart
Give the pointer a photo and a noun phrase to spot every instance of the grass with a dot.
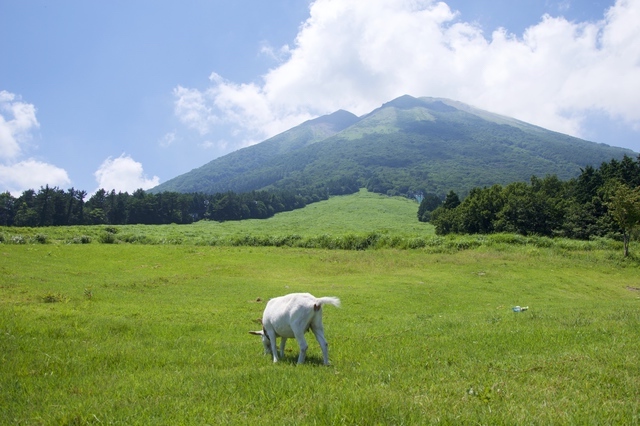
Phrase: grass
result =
(353, 222)
(148, 324)
(157, 334)
(358, 216)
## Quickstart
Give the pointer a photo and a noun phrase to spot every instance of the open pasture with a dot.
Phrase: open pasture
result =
(158, 334)
(337, 221)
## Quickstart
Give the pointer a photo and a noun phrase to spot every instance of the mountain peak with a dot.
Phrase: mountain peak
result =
(406, 102)
(403, 102)
(338, 120)
(407, 145)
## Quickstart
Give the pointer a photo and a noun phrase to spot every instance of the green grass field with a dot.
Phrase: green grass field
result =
(359, 214)
(158, 333)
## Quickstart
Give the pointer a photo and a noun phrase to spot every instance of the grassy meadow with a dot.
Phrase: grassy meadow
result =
(333, 222)
(157, 332)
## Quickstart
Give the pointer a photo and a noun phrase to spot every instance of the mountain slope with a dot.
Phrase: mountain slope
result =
(407, 145)
(228, 173)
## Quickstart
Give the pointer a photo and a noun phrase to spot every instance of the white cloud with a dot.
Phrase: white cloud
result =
(356, 55)
(275, 54)
(123, 174)
(17, 120)
(17, 123)
(167, 139)
(191, 108)
(31, 174)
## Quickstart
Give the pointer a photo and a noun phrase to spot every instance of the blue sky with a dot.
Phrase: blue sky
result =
(128, 94)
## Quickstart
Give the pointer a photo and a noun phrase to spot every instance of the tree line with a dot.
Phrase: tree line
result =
(602, 202)
(52, 206)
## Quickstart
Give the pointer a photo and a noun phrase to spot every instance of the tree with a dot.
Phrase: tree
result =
(451, 201)
(75, 207)
(429, 203)
(532, 209)
(446, 221)
(7, 209)
(479, 210)
(44, 205)
(585, 187)
(584, 220)
(26, 214)
(624, 207)
(521, 212)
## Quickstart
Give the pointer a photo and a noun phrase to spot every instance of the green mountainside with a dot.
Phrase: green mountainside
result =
(406, 146)
(233, 172)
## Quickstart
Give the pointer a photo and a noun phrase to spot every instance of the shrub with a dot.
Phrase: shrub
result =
(466, 242)
(605, 243)
(324, 241)
(416, 243)
(18, 239)
(215, 241)
(83, 239)
(249, 240)
(288, 240)
(40, 238)
(136, 239)
(540, 241)
(353, 242)
(395, 241)
(108, 238)
(505, 238)
(434, 241)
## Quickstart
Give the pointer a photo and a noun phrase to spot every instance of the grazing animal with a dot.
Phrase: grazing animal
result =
(291, 316)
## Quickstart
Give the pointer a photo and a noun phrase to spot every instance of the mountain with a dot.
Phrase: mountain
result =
(229, 173)
(405, 146)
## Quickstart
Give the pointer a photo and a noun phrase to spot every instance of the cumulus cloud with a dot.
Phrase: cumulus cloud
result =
(356, 55)
(123, 174)
(191, 108)
(17, 120)
(31, 174)
(17, 123)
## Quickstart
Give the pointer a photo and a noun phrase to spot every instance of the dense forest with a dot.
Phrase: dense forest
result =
(56, 207)
(603, 202)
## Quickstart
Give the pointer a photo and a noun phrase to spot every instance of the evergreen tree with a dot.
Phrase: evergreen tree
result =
(7, 209)
(451, 201)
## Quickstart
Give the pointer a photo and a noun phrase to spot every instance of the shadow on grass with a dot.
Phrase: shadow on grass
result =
(292, 359)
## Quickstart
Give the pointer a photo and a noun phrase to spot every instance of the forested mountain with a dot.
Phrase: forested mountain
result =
(407, 146)
(237, 171)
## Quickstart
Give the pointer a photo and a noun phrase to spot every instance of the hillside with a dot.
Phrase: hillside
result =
(406, 146)
(361, 213)
(233, 172)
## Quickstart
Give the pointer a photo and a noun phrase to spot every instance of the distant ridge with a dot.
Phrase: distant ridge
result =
(405, 146)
